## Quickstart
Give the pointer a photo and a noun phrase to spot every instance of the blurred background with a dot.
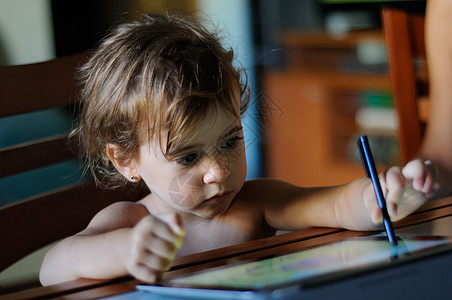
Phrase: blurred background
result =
(317, 70)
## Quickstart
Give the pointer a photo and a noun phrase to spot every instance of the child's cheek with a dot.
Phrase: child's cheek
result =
(185, 190)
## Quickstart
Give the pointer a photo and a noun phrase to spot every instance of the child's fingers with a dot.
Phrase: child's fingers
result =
(148, 258)
(155, 242)
(371, 204)
(175, 223)
(431, 184)
(410, 200)
(376, 215)
(146, 274)
(415, 171)
(159, 227)
(423, 175)
(154, 235)
(405, 190)
(394, 184)
(154, 261)
(163, 248)
(172, 222)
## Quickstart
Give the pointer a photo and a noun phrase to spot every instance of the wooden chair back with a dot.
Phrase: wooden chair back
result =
(404, 38)
(34, 222)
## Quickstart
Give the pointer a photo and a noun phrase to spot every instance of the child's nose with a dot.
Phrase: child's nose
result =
(217, 170)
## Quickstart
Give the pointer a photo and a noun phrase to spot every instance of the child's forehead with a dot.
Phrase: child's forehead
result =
(215, 123)
(215, 126)
(218, 122)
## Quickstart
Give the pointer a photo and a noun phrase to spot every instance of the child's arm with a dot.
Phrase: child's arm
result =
(352, 206)
(113, 246)
(289, 207)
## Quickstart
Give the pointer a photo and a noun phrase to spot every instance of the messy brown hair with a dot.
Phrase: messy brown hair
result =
(162, 73)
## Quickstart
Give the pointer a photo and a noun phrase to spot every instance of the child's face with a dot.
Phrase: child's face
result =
(205, 174)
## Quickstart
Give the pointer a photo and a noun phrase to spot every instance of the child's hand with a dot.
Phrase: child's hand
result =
(405, 189)
(423, 177)
(153, 245)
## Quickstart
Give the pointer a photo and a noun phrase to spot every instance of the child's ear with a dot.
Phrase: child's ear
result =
(126, 166)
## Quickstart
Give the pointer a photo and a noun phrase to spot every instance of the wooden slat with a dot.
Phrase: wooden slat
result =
(416, 25)
(53, 79)
(50, 292)
(404, 36)
(105, 290)
(59, 214)
(33, 155)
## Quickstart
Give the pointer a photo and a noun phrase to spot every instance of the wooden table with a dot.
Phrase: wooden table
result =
(435, 218)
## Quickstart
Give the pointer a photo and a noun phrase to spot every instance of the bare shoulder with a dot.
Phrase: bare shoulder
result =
(117, 215)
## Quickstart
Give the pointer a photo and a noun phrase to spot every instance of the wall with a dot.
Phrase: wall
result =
(26, 32)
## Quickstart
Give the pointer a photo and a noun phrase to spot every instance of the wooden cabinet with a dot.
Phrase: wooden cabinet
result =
(308, 141)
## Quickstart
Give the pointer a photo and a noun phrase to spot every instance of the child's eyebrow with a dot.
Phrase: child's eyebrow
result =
(177, 150)
(232, 131)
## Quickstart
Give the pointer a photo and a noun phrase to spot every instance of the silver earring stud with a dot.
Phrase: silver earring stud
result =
(132, 177)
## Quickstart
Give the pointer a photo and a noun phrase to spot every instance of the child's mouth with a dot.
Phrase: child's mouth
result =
(220, 197)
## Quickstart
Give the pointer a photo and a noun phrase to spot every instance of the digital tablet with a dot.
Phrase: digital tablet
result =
(305, 271)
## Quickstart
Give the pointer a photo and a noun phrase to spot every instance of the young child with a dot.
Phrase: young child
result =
(161, 106)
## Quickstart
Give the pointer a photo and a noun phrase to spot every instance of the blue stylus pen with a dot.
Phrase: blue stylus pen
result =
(371, 172)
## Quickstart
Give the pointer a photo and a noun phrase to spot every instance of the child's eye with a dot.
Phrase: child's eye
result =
(188, 159)
(231, 143)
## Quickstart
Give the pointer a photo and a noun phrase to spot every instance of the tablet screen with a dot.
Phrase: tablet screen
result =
(334, 258)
